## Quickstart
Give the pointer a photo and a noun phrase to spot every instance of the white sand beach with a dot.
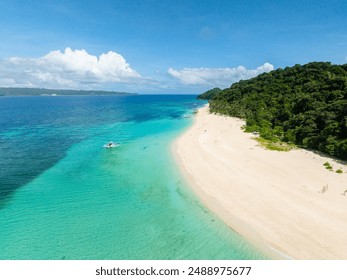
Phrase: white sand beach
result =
(286, 203)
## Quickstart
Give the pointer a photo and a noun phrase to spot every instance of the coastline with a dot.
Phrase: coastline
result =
(276, 200)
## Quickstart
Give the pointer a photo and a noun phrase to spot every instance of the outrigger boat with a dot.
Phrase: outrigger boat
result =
(110, 145)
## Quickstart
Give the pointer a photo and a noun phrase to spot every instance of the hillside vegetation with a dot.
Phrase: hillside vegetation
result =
(305, 105)
(209, 94)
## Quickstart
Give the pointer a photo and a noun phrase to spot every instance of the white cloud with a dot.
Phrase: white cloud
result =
(219, 77)
(77, 69)
(68, 69)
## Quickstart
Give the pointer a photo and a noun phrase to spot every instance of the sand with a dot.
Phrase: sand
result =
(285, 203)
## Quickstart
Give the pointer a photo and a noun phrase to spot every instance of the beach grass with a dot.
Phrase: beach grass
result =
(274, 146)
(328, 166)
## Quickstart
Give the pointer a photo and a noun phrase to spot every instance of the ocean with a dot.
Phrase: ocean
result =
(64, 196)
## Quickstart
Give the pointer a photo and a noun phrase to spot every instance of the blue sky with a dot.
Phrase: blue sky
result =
(154, 46)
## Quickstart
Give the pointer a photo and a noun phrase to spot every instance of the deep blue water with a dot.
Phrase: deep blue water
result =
(35, 132)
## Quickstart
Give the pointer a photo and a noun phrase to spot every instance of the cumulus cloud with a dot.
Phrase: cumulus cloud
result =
(221, 77)
(68, 69)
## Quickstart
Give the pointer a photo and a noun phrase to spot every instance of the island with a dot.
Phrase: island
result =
(8, 91)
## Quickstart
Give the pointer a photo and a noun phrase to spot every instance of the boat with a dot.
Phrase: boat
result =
(110, 145)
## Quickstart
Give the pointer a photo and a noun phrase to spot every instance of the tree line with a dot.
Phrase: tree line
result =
(305, 105)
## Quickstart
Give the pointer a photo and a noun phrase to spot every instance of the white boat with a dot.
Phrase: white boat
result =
(110, 145)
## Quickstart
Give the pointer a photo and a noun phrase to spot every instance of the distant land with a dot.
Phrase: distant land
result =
(55, 92)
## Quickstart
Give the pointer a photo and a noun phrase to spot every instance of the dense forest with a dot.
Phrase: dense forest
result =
(209, 94)
(304, 104)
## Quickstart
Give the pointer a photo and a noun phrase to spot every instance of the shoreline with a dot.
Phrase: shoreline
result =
(276, 200)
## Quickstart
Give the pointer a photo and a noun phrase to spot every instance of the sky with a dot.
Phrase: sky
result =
(162, 46)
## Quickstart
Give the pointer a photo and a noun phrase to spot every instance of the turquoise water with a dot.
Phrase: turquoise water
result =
(69, 198)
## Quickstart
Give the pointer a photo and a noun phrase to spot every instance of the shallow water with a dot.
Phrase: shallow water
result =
(63, 196)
